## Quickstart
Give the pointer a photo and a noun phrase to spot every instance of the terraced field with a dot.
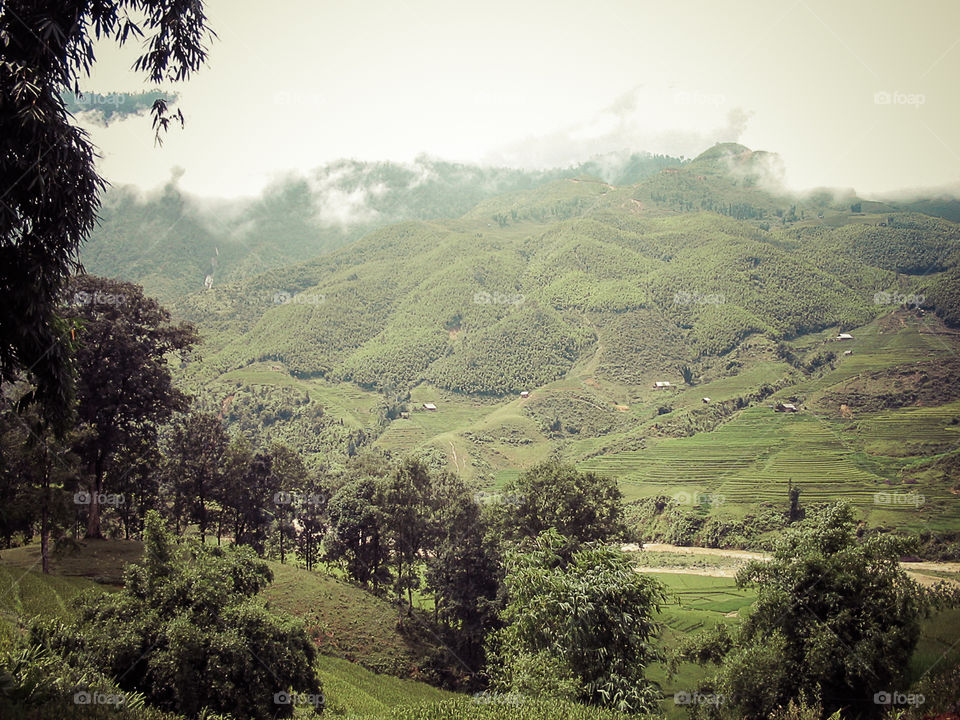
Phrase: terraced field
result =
(353, 691)
(696, 463)
(402, 436)
(753, 457)
(909, 431)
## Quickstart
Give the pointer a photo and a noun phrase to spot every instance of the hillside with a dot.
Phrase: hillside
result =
(172, 243)
(584, 294)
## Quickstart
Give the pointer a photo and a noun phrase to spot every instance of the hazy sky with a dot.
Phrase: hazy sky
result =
(294, 83)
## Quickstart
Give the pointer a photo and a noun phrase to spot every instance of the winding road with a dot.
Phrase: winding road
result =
(915, 570)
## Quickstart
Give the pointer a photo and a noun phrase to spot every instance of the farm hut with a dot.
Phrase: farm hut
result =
(662, 384)
(706, 401)
(785, 407)
(430, 406)
(525, 394)
(844, 336)
(848, 352)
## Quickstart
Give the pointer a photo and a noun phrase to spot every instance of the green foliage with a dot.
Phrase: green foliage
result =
(526, 349)
(47, 164)
(944, 296)
(124, 387)
(188, 632)
(835, 620)
(581, 506)
(356, 537)
(579, 627)
(505, 707)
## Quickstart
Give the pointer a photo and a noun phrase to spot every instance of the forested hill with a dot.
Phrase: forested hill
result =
(170, 242)
(643, 280)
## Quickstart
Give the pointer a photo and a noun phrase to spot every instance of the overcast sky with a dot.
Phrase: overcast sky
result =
(295, 83)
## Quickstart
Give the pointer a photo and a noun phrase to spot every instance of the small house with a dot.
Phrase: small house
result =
(404, 415)
(662, 384)
(706, 401)
(844, 336)
(525, 394)
(430, 406)
(848, 352)
(785, 407)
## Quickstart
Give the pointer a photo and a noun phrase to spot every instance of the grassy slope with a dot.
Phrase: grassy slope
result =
(351, 624)
(348, 623)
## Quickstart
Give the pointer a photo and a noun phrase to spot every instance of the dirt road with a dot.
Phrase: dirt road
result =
(914, 569)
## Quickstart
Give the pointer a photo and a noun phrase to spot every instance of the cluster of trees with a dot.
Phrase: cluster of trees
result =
(189, 634)
(120, 342)
(835, 623)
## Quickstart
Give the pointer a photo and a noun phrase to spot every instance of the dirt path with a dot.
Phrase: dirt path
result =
(913, 569)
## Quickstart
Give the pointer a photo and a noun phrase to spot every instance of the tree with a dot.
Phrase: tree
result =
(124, 388)
(291, 479)
(37, 470)
(253, 501)
(579, 628)
(581, 506)
(464, 570)
(195, 464)
(836, 621)
(189, 631)
(310, 512)
(407, 506)
(357, 529)
(47, 171)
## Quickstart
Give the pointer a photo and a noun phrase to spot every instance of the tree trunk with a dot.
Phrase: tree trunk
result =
(94, 531)
(45, 520)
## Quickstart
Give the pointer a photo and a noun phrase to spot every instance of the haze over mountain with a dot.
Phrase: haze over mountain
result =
(705, 274)
(172, 242)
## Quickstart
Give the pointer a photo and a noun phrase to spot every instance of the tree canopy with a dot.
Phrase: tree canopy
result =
(49, 183)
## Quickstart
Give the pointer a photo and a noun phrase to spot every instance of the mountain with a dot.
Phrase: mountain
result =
(173, 243)
(583, 294)
(677, 269)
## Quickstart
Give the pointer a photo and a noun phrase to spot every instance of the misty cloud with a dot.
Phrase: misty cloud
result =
(669, 120)
(102, 109)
